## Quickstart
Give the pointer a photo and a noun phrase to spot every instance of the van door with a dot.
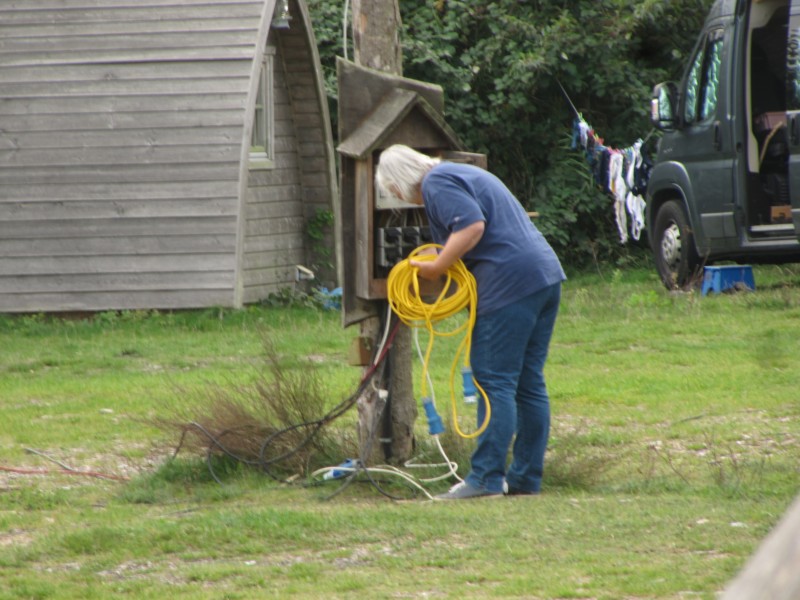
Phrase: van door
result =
(707, 146)
(793, 109)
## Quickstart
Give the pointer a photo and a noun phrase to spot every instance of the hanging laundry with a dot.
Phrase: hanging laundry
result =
(619, 190)
(622, 173)
(634, 200)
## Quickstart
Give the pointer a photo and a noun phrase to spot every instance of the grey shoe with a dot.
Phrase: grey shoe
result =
(512, 491)
(464, 491)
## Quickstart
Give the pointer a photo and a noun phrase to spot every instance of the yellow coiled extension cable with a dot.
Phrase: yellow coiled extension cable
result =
(459, 293)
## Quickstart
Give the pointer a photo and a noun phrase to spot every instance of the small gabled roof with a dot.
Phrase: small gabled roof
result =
(397, 109)
(379, 126)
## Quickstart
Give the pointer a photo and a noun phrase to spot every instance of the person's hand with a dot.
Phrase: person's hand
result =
(427, 269)
(430, 250)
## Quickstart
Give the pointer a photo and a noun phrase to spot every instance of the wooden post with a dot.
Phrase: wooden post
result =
(376, 44)
(376, 35)
(772, 573)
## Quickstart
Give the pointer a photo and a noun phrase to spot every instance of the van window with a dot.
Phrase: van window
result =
(793, 71)
(703, 80)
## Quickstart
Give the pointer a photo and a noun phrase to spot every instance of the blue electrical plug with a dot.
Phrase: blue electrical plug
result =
(470, 391)
(346, 469)
(435, 426)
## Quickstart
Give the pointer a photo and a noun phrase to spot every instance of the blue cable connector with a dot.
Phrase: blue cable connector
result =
(435, 426)
(346, 469)
(470, 391)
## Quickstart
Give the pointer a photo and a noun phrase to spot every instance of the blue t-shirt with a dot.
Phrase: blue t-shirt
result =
(512, 259)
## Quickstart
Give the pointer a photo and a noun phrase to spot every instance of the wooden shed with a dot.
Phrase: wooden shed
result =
(377, 110)
(158, 154)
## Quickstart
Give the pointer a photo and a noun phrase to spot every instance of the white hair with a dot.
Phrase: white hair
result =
(400, 171)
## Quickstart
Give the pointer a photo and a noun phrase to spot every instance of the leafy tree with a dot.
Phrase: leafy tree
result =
(503, 64)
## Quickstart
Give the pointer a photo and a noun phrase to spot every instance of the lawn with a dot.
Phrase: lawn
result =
(674, 451)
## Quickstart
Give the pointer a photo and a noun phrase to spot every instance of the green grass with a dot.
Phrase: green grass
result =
(674, 451)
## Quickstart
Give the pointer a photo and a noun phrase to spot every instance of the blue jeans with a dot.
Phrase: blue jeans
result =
(509, 349)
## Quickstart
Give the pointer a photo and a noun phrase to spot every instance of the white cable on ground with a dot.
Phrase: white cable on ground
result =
(383, 469)
(452, 467)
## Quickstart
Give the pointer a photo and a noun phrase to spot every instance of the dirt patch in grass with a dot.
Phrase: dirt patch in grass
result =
(15, 537)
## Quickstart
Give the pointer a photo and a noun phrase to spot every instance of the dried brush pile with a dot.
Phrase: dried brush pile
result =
(276, 423)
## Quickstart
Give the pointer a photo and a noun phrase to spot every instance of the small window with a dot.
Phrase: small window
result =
(262, 142)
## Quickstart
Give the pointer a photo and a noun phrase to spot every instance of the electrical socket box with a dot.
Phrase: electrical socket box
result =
(393, 244)
(388, 230)
(377, 110)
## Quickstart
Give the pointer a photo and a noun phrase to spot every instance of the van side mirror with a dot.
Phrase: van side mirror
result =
(661, 106)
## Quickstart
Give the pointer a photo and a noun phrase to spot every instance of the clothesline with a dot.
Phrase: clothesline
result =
(622, 173)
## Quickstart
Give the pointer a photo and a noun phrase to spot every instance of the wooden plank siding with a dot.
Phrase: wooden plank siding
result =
(123, 130)
(281, 201)
(274, 202)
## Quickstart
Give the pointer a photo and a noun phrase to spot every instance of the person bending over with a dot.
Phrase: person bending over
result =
(474, 216)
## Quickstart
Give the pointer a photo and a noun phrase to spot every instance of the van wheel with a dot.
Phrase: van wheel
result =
(673, 246)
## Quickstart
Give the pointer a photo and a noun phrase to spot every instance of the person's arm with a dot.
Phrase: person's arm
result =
(457, 245)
